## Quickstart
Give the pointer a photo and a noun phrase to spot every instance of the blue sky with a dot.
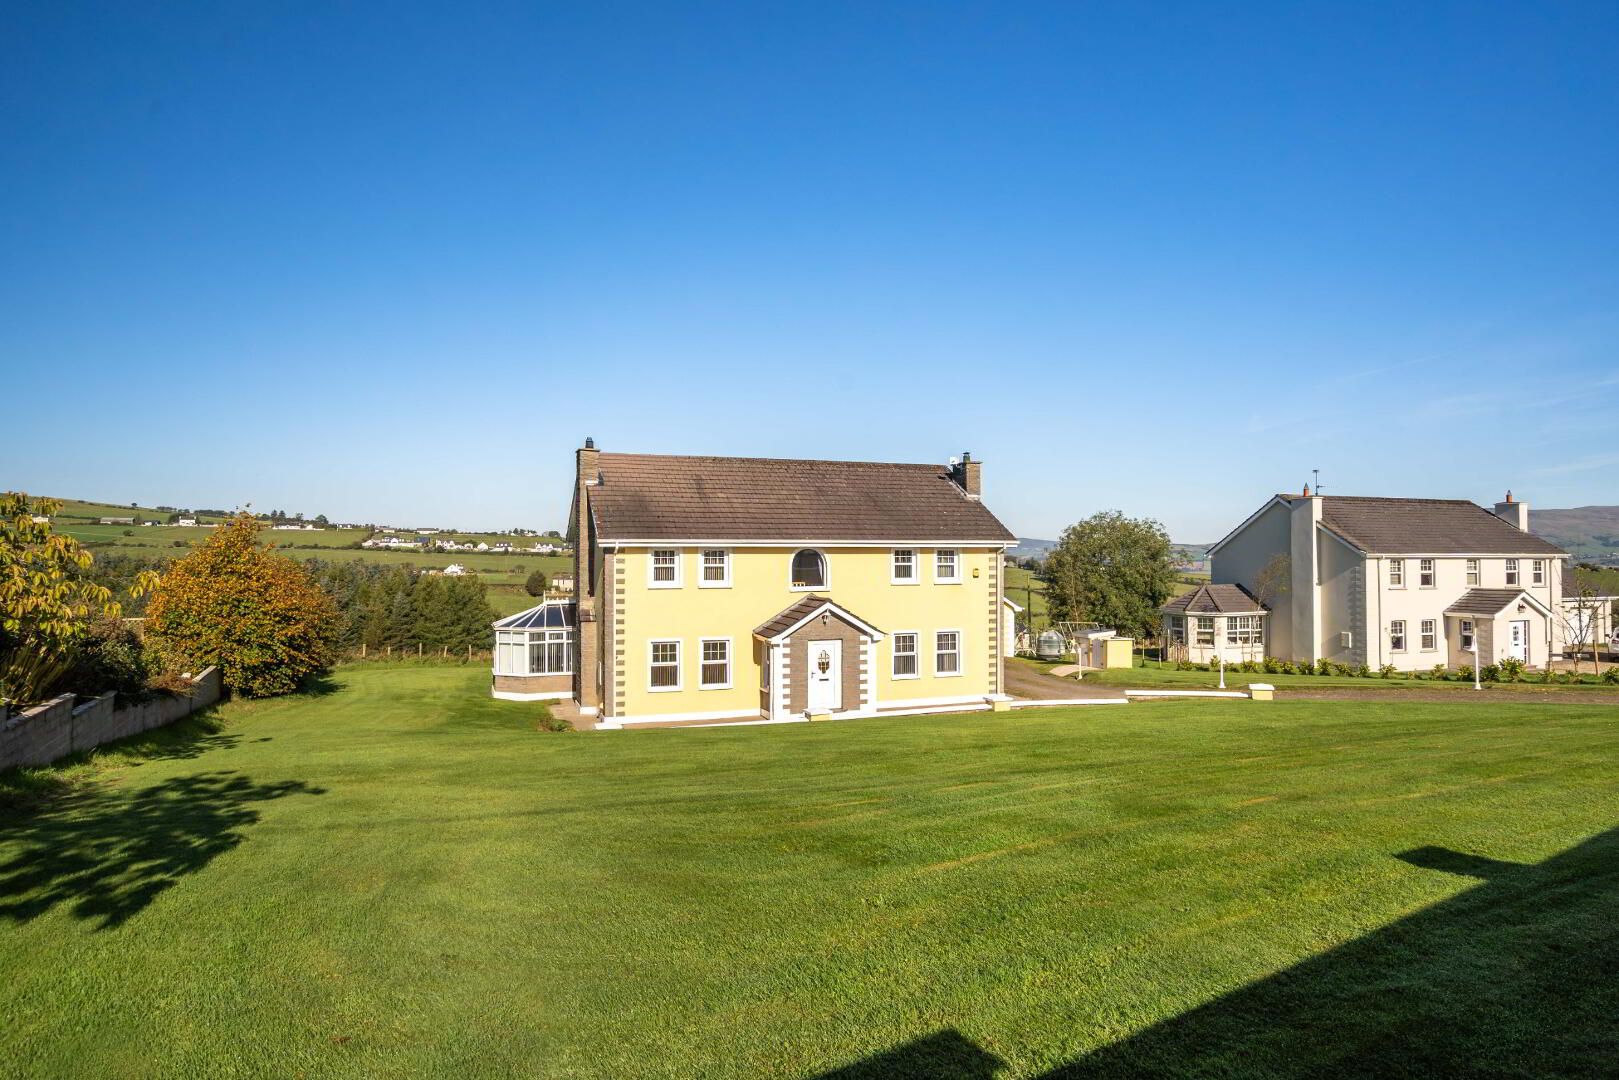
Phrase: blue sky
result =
(396, 261)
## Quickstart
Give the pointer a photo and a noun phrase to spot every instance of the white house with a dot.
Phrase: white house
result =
(1587, 615)
(1408, 582)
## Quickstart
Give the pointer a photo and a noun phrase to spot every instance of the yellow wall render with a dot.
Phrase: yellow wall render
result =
(857, 578)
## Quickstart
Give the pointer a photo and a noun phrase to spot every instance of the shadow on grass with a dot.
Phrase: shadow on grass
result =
(1516, 977)
(107, 855)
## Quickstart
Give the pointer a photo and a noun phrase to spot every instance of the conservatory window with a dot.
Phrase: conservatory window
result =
(1205, 630)
(534, 652)
(1247, 630)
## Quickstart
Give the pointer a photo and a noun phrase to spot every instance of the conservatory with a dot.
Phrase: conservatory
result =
(1215, 622)
(535, 651)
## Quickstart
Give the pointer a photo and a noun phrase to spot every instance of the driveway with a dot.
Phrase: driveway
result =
(1025, 682)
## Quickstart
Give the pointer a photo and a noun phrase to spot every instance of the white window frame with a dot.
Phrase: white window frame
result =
(1205, 624)
(1472, 572)
(1245, 631)
(1177, 630)
(652, 664)
(1396, 573)
(1428, 631)
(959, 652)
(703, 663)
(1464, 632)
(652, 581)
(939, 576)
(1537, 572)
(523, 642)
(915, 564)
(1397, 635)
(1512, 571)
(915, 654)
(702, 568)
(826, 571)
(1427, 575)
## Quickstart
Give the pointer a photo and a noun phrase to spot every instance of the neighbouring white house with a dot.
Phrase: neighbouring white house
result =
(1408, 582)
(1587, 615)
(454, 570)
(562, 581)
(186, 522)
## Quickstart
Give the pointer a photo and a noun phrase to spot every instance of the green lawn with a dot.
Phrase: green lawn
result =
(1148, 674)
(403, 878)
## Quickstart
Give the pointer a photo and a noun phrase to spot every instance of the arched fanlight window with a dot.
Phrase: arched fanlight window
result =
(809, 570)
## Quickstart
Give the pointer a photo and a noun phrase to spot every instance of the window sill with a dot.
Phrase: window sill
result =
(905, 581)
(904, 678)
(948, 674)
(713, 584)
(805, 588)
(662, 689)
(947, 581)
(663, 585)
(717, 686)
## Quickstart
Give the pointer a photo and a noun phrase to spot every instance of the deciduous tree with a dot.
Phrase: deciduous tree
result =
(259, 616)
(1111, 570)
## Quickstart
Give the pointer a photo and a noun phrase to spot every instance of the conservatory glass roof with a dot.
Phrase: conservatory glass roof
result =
(551, 615)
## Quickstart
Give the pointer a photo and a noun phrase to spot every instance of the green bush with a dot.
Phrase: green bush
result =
(1185, 665)
(1340, 670)
(1388, 671)
(1511, 670)
(1286, 668)
(1362, 671)
(1611, 675)
(110, 659)
(1465, 673)
(1273, 666)
(1490, 673)
(1439, 673)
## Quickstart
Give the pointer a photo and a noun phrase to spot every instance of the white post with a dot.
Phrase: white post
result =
(1477, 684)
(1221, 657)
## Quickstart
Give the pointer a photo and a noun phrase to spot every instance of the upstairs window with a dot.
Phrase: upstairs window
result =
(947, 566)
(1430, 634)
(1425, 573)
(904, 567)
(1512, 571)
(716, 569)
(1537, 572)
(947, 653)
(664, 568)
(809, 570)
(1396, 573)
(1472, 571)
(1397, 635)
(905, 666)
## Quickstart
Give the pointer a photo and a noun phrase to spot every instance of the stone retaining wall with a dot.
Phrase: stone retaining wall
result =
(41, 735)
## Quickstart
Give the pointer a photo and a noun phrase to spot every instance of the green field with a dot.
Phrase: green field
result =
(399, 877)
(164, 536)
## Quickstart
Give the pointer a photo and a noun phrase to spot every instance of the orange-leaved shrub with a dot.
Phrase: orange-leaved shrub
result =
(259, 616)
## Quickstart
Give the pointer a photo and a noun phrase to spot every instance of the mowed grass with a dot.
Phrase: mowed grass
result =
(403, 878)
(1149, 674)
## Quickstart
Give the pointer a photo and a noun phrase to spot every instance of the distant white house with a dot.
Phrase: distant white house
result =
(186, 522)
(482, 546)
(503, 545)
(117, 521)
(454, 570)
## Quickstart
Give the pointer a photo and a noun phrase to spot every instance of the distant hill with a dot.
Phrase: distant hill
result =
(1030, 548)
(1589, 533)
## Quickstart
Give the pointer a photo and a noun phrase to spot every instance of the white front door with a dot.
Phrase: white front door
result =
(825, 675)
(1518, 640)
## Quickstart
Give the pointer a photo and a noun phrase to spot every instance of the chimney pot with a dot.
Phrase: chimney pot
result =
(1306, 491)
(1509, 495)
(590, 444)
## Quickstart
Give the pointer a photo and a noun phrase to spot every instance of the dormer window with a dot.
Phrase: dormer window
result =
(809, 570)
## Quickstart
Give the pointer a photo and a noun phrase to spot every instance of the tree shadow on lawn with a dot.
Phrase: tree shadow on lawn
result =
(1517, 977)
(106, 855)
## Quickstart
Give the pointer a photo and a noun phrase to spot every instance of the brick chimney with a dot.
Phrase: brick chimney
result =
(588, 475)
(1513, 512)
(969, 474)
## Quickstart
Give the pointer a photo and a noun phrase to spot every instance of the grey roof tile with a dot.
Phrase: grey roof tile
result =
(1426, 527)
(1214, 600)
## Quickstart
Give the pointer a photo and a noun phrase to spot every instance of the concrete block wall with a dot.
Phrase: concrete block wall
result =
(41, 735)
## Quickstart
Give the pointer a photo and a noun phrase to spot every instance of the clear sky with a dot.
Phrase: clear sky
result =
(395, 261)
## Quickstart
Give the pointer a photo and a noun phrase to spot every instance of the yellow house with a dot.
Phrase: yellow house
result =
(716, 588)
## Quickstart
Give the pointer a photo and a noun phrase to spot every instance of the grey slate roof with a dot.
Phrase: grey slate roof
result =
(1214, 600)
(1483, 601)
(1426, 527)
(658, 497)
